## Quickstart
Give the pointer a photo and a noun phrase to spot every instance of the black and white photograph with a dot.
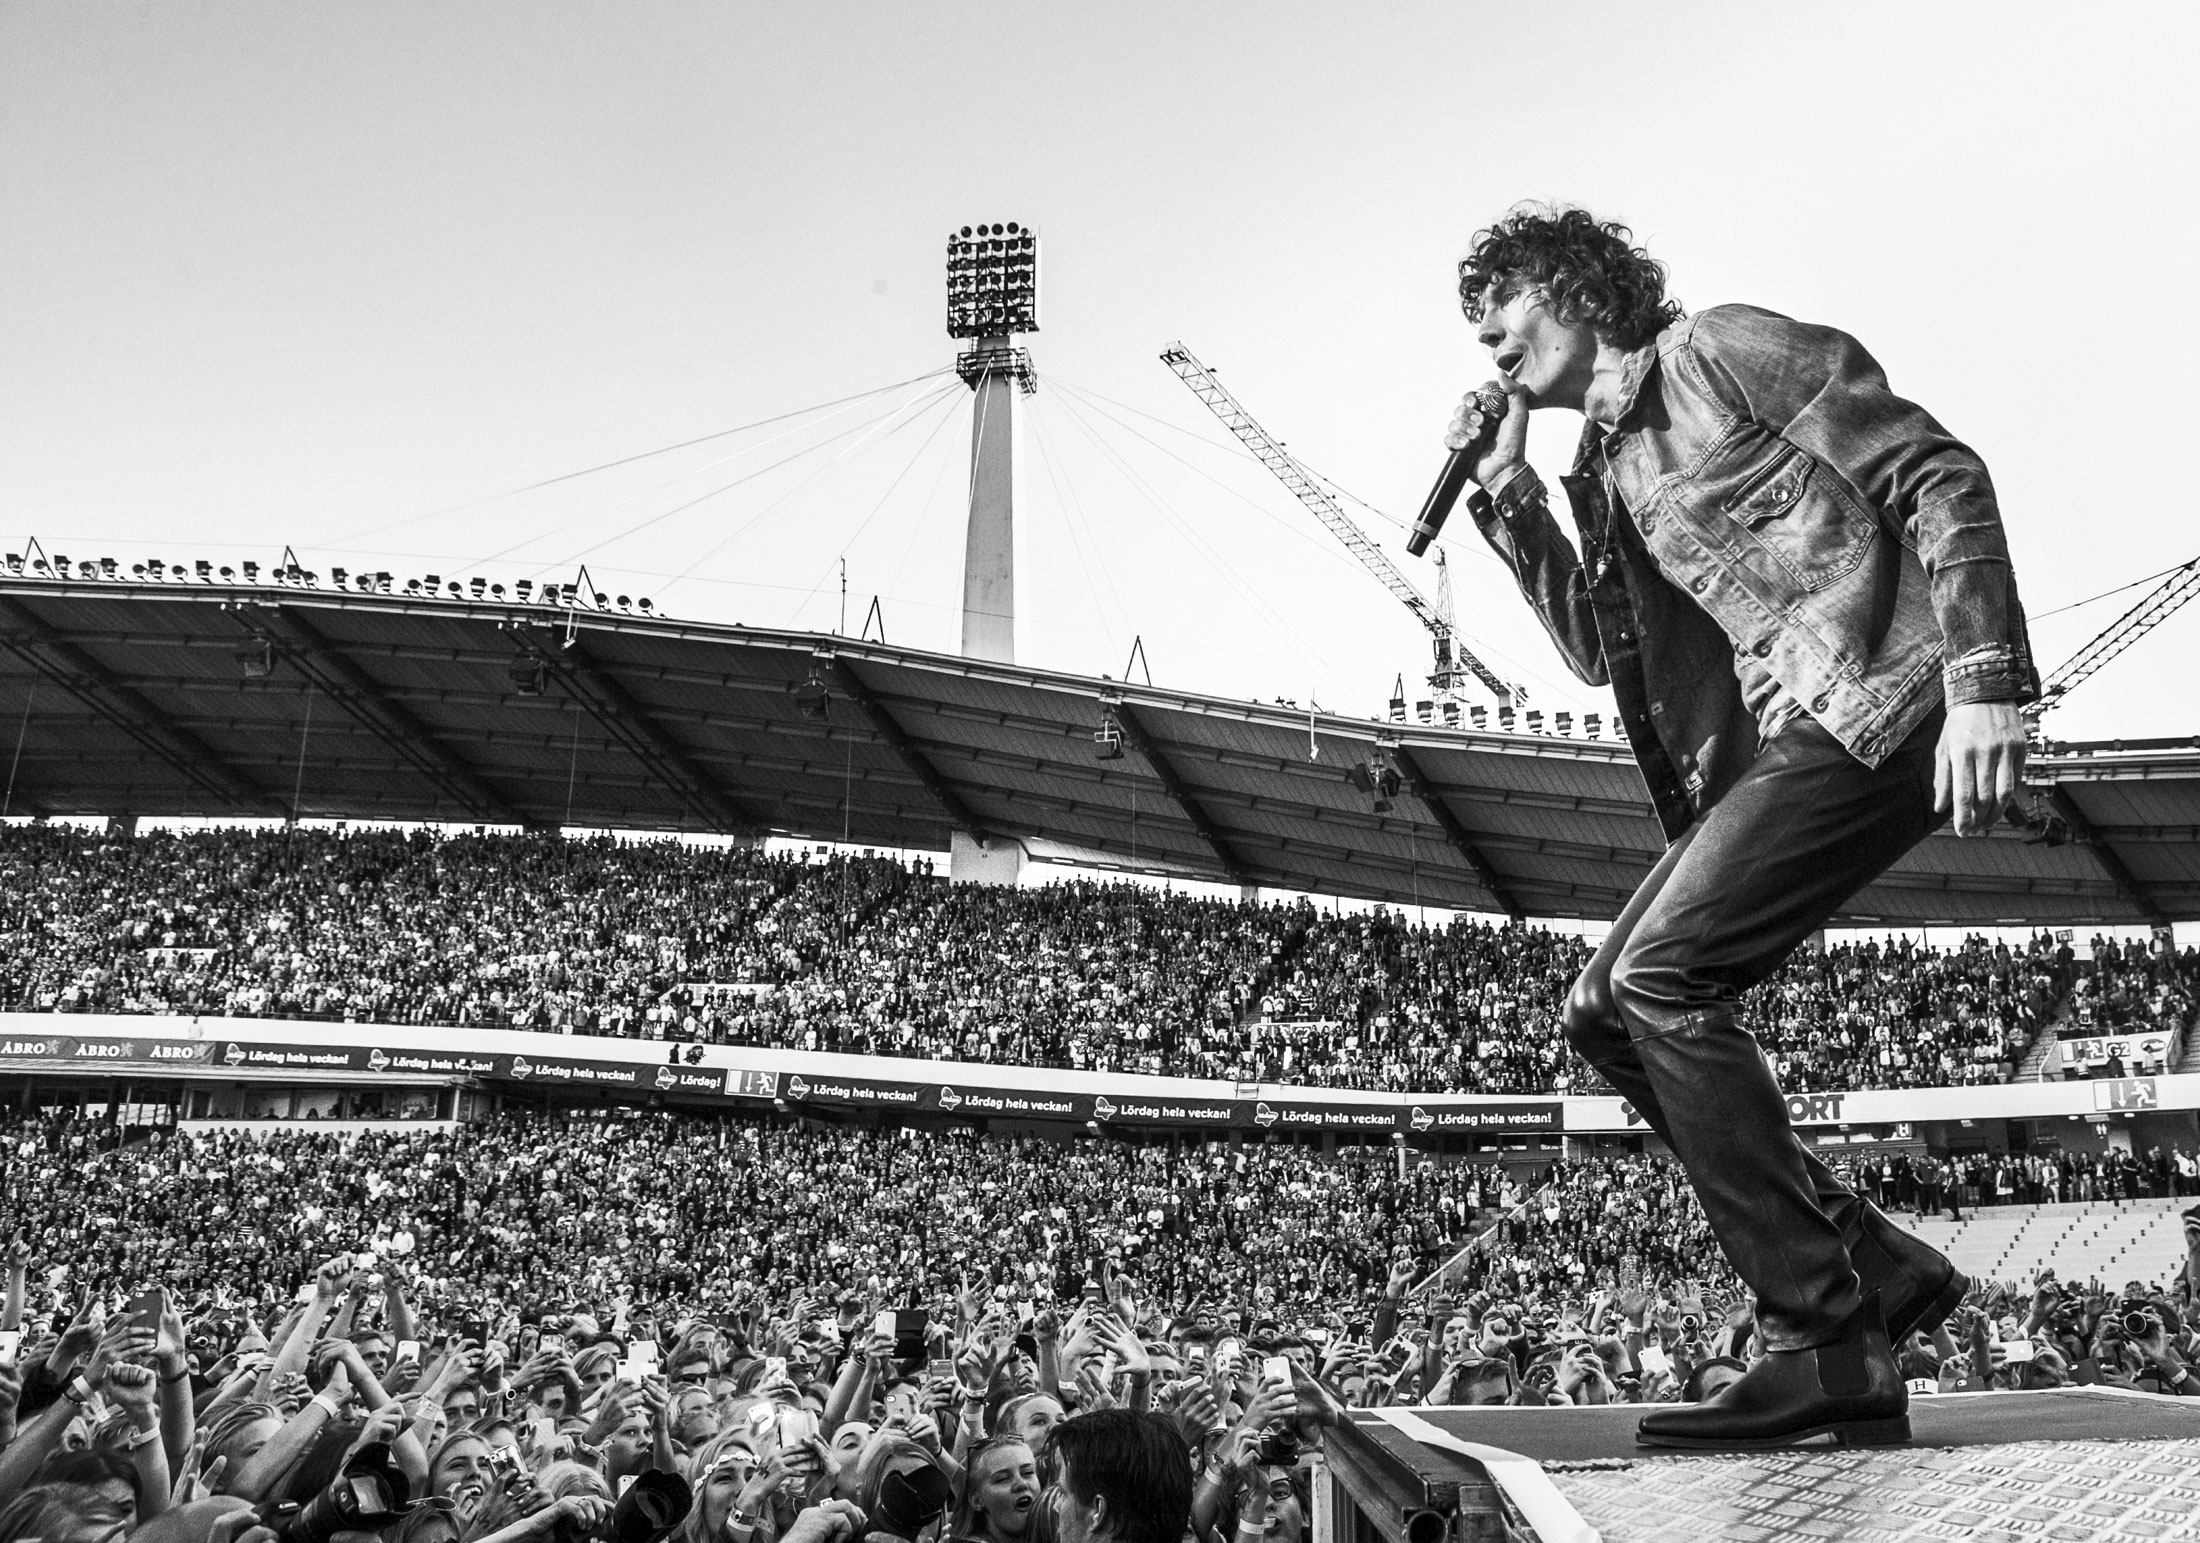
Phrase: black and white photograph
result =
(955, 773)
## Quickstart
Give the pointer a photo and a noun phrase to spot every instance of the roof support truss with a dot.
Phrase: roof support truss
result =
(619, 715)
(387, 719)
(91, 683)
(1454, 832)
(2126, 882)
(959, 814)
(1135, 735)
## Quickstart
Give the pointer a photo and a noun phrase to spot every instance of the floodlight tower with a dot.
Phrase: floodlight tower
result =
(992, 295)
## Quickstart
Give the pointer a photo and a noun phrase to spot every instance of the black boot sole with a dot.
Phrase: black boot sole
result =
(1842, 1433)
(1933, 1315)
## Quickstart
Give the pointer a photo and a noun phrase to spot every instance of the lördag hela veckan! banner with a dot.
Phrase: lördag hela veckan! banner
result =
(214, 1047)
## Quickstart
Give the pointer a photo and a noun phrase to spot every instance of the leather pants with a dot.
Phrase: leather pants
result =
(1803, 830)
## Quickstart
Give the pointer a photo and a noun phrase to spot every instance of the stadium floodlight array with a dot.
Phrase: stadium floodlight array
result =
(379, 582)
(1478, 718)
(992, 280)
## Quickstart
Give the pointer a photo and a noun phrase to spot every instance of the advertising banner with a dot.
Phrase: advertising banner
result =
(429, 1063)
(58, 1049)
(319, 1058)
(1006, 1103)
(1522, 1116)
(1587, 1115)
(114, 1043)
(858, 1092)
(1146, 1109)
(562, 1071)
(1295, 1114)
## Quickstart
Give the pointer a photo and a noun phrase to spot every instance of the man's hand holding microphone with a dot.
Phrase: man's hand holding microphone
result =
(1488, 440)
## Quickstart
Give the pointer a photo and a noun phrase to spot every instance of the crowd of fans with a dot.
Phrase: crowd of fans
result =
(2131, 987)
(687, 942)
(625, 1325)
(1928, 1184)
(1899, 1015)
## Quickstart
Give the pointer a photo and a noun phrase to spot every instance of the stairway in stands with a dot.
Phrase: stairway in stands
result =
(2188, 1060)
(2113, 1241)
(2034, 1063)
(2034, 1060)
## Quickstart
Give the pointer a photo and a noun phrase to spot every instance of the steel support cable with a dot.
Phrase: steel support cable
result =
(804, 485)
(924, 515)
(1065, 495)
(1146, 490)
(1294, 528)
(1250, 596)
(2155, 607)
(470, 563)
(857, 534)
(7, 805)
(628, 460)
(1236, 450)
(1554, 688)
(2119, 589)
(680, 508)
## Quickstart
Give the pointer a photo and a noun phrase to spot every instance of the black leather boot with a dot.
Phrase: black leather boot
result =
(1847, 1393)
(1917, 1284)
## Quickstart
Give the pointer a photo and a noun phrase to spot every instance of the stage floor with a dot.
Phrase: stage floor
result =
(2074, 1464)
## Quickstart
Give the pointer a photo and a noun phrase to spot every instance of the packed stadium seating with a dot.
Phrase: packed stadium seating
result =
(867, 955)
(472, 1298)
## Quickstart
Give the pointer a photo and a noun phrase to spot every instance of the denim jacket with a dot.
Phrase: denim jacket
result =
(1765, 503)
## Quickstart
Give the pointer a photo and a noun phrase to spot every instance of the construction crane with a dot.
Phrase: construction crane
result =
(2155, 608)
(1454, 660)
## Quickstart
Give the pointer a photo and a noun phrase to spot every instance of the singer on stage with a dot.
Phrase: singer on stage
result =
(1797, 586)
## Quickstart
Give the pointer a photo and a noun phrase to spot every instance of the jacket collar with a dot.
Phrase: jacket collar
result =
(1634, 373)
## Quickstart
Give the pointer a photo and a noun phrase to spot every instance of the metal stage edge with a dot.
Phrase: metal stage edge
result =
(2063, 1466)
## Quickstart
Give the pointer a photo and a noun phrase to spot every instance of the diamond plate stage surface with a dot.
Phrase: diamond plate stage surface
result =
(2072, 1464)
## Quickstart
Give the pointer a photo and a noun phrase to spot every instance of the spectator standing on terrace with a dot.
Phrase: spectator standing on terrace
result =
(1798, 587)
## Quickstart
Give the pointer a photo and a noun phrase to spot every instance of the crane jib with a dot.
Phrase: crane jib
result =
(1451, 654)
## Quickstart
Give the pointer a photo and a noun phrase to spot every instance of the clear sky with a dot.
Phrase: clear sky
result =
(339, 275)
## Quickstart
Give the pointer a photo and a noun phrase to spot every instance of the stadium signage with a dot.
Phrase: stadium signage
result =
(1492, 1117)
(236, 1052)
(2127, 1095)
(1000, 1101)
(184, 1048)
(1277, 1114)
(554, 1069)
(68, 1047)
(2147, 1052)
(1803, 1109)
(435, 1065)
(1417, 1117)
(861, 1091)
(1160, 1111)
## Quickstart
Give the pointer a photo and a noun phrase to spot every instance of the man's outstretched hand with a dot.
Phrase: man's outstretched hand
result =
(1978, 765)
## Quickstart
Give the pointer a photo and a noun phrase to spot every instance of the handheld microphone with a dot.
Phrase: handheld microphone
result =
(1493, 402)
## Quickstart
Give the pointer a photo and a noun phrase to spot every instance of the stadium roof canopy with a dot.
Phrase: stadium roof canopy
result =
(174, 699)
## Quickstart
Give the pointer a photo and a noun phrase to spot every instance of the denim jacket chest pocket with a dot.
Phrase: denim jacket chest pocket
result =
(1789, 516)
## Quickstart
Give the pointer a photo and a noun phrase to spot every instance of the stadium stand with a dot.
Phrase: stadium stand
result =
(866, 955)
(2111, 1242)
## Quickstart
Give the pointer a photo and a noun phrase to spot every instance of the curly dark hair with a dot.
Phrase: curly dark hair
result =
(1591, 269)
